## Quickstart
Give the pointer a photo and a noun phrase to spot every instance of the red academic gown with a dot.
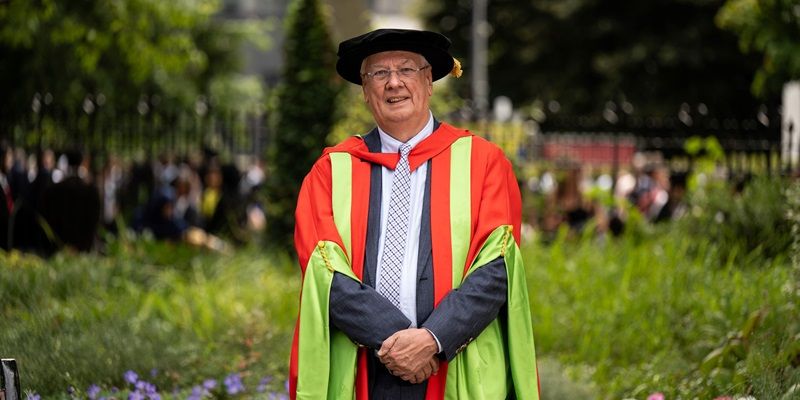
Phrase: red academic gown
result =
(494, 201)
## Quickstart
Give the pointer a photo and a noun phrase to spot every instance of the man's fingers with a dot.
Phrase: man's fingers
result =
(387, 345)
(426, 371)
(434, 364)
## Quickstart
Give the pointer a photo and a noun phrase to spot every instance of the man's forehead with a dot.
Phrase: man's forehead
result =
(399, 56)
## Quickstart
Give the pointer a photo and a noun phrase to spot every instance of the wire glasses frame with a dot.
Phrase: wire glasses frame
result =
(384, 74)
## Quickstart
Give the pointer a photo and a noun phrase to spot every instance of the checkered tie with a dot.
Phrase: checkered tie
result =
(394, 244)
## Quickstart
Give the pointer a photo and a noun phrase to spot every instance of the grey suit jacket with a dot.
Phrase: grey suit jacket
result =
(368, 318)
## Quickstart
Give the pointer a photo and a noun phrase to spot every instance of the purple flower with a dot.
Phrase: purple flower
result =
(32, 396)
(262, 385)
(209, 384)
(656, 396)
(93, 391)
(135, 396)
(131, 377)
(286, 385)
(197, 393)
(71, 390)
(233, 384)
(153, 373)
(145, 388)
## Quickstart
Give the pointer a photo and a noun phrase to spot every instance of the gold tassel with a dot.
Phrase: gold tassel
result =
(456, 68)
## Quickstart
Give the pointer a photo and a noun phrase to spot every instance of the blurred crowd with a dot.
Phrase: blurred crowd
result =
(53, 199)
(577, 196)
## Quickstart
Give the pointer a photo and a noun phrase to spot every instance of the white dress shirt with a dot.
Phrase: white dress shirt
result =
(408, 280)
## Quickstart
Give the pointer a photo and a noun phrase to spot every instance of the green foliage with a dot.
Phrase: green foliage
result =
(707, 155)
(584, 53)
(750, 224)
(305, 105)
(771, 28)
(793, 214)
(78, 320)
(645, 314)
(77, 63)
(355, 117)
(559, 383)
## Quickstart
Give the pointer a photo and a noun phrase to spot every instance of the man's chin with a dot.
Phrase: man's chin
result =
(397, 116)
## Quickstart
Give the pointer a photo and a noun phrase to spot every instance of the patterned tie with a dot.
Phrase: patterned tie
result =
(394, 244)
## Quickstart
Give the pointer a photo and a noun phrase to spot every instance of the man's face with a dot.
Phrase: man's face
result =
(398, 99)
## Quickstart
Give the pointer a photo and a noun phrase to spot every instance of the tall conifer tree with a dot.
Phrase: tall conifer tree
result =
(305, 105)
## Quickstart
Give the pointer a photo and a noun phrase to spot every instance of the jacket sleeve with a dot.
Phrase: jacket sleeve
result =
(365, 316)
(466, 311)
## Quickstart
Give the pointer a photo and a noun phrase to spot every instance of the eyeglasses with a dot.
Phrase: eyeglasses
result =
(384, 74)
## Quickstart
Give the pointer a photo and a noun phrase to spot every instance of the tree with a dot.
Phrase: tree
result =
(68, 60)
(655, 55)
(770, 27)
(305, 105)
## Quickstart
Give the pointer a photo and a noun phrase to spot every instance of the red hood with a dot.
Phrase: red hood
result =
(434, 144)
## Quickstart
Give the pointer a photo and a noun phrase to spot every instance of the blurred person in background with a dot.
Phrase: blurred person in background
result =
(187, 190)
(29, 234)
(571, 200)
(6, 194)
(18, 175)
(111, 181)
(250, 189)
(654, 197)
(211, 196)
(72, 207)
(159, 216)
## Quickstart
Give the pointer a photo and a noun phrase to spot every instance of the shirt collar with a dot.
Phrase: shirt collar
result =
(392, 145)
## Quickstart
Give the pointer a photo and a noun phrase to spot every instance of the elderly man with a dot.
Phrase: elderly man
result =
(413, 286)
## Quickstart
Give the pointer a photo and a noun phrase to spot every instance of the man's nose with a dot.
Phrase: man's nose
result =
(394, 79)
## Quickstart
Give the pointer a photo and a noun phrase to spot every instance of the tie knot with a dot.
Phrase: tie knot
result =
(405, 148)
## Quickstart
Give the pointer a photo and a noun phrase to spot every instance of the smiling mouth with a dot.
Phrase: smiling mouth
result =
(395, 100)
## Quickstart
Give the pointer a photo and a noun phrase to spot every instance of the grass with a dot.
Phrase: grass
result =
(657, 310)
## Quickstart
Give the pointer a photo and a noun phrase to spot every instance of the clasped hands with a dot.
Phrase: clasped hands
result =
(410, 354)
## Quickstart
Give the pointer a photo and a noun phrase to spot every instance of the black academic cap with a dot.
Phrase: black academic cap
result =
(433, 46)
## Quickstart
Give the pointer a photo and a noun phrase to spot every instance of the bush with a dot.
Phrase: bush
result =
(752, 222)
(656, 311)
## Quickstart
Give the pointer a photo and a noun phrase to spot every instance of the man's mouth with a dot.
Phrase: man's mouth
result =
(395, 100)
